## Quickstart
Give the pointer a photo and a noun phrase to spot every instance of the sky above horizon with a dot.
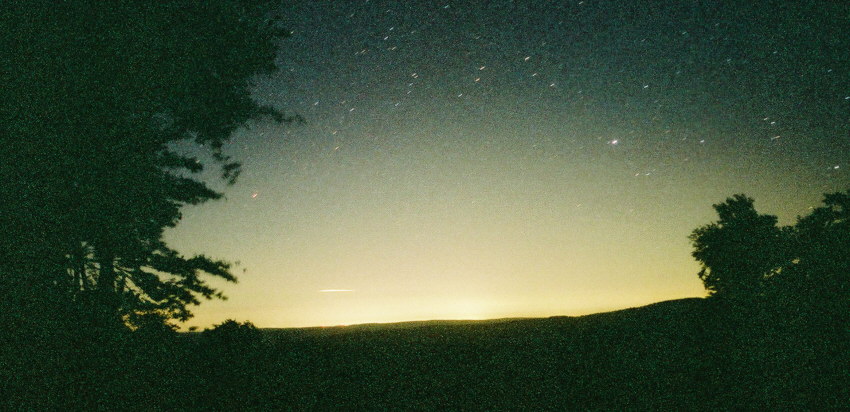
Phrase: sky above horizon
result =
(464, 160)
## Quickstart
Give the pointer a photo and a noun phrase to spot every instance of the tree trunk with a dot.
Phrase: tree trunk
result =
(107, 296)
(106, 277)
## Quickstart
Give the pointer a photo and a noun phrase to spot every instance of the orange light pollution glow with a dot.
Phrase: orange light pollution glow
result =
(452, 169)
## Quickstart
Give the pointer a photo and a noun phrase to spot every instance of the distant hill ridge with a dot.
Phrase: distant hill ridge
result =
(669, 309)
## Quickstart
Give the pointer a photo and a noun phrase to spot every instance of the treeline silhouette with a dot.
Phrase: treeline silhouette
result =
(94, 99)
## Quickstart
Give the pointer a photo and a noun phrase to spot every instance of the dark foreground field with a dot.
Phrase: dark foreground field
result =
(670, 355)
(683, 354)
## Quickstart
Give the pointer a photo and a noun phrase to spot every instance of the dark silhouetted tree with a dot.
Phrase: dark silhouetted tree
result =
(745, 253)
(817, 289)
(789, 335)
(740, 250)
(818, 277)
(94, 95)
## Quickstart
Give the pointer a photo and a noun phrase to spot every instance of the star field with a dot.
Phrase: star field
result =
(496, 159)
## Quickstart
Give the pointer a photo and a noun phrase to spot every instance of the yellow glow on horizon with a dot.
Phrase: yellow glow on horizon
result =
(367, 307)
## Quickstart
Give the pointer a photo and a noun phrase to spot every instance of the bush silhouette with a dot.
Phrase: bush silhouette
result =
(231, 362)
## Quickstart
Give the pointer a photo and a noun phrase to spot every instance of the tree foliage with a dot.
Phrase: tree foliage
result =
(740, 250)
(745, 254)
(94, 97)
(820, 271)
(783, 296)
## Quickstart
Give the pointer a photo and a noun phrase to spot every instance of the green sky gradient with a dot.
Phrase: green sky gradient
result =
(562, 178)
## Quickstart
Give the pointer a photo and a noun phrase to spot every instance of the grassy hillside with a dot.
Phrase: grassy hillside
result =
(677, 354)
(690, 354)
(642, 356)
(669, 355)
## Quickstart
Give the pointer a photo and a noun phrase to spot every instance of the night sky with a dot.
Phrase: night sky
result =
(472, 160)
